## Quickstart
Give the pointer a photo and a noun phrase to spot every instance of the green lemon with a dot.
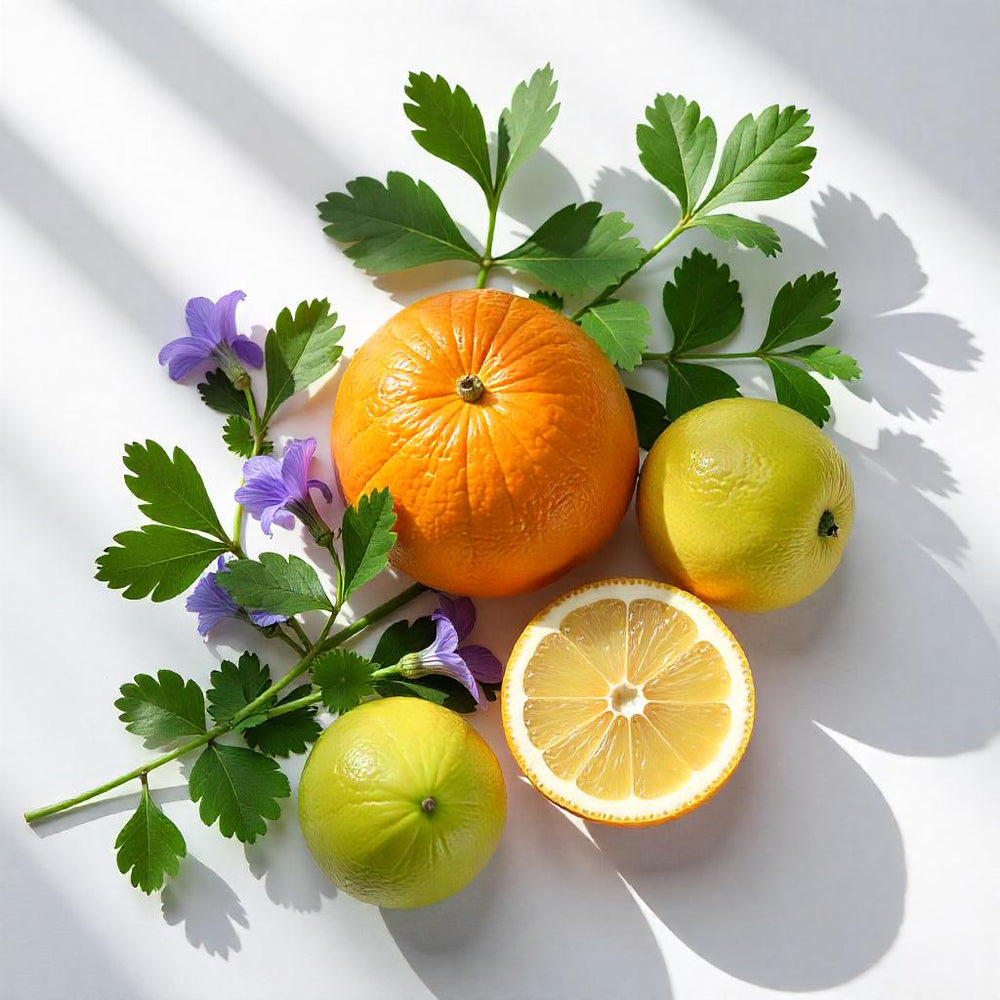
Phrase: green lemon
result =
(401, 802)
(746, 503)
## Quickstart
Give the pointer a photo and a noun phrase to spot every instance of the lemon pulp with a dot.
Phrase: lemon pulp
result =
(628, 701)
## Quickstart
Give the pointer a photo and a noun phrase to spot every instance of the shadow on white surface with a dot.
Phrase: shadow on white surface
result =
(910, 75)
(79, 959)
(291, 877)
(206, 906)
(569, 926)
(232, 102)
(38, 192)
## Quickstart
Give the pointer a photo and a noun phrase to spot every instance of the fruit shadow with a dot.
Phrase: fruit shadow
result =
(568, 923)
(794, 877)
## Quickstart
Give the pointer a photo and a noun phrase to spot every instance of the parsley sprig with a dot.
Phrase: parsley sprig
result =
(581, 251)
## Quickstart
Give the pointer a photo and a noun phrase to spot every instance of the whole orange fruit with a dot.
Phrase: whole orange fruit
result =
(503, 433)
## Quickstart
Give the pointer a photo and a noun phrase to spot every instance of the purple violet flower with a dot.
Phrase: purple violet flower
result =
(469, 665)
(212, 604)
(213, 336)
(274, 491)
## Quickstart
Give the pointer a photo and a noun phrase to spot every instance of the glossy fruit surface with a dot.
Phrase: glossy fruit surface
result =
(503, 432)
(401, 802)
(627, 701)
(746, 503)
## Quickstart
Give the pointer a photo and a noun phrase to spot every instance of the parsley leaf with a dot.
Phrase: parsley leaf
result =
(344, 679)
(526, 123)
(763, 158)
(219, 394)
(149, 846)
(299, 350)
(692, 385)
(235, 685)
(367, 537)
(703, 305)
(677, 147)
(156, 560)
(238, 437)
(238, 787)
(576, 249)
(162, 709)
(403, 637)
(650, 417)
(798, 389)
(173, 490)
(828, 361)
(274, 584)
(288, 733)
(402, 224)
(749, 233)
(621, 329)
(550, 299)
(449, 126)
(802, 308)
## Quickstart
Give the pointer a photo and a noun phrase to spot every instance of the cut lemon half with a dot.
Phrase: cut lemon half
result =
(627, 702)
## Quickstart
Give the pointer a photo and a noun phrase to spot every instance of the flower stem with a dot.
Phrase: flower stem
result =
(670, 356)
(258, 436)
(376, 614)
(323, 643)
(487, 260)
(647, 257)
(300, 632)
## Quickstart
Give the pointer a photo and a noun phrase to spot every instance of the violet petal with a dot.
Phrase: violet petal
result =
(247, 351)
(183, 355)
(224, 316)
(461, 612)
(485, 667)
(198, 313)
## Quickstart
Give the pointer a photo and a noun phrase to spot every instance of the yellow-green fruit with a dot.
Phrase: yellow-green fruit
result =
(746, 503)
(401, 802)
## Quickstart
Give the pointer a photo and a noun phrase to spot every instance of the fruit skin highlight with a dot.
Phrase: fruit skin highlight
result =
(401, 802)
(503, 432)
(746, 503)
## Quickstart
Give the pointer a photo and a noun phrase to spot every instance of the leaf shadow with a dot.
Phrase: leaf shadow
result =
(206, 906)
(283, 863)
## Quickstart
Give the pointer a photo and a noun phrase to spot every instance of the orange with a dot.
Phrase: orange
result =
(503, 433)
(628, 702)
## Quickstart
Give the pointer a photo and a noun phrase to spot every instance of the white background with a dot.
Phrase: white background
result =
(152, 151)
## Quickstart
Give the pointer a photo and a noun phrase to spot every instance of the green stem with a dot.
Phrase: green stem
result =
(323, 643)
(301, 632)
(376, 614)
(291, 706)
(487, 260)
(670, 356)
(258, 433)
(289, 641)
(647, 257)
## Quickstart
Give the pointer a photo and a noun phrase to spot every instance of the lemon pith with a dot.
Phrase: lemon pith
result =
(627, 701)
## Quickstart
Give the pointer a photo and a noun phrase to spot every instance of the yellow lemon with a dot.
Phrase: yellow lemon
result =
(627, 702)
(746, 503)
(401, 802)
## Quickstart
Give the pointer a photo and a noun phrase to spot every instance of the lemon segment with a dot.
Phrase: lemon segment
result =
(627, 701)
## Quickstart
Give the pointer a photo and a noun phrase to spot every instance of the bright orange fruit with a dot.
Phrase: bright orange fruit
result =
(503, 432)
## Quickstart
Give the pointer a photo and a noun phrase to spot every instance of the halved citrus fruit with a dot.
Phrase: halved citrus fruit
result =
(627, 702)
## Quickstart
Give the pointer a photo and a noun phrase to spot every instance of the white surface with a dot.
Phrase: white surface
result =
(157, 150)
